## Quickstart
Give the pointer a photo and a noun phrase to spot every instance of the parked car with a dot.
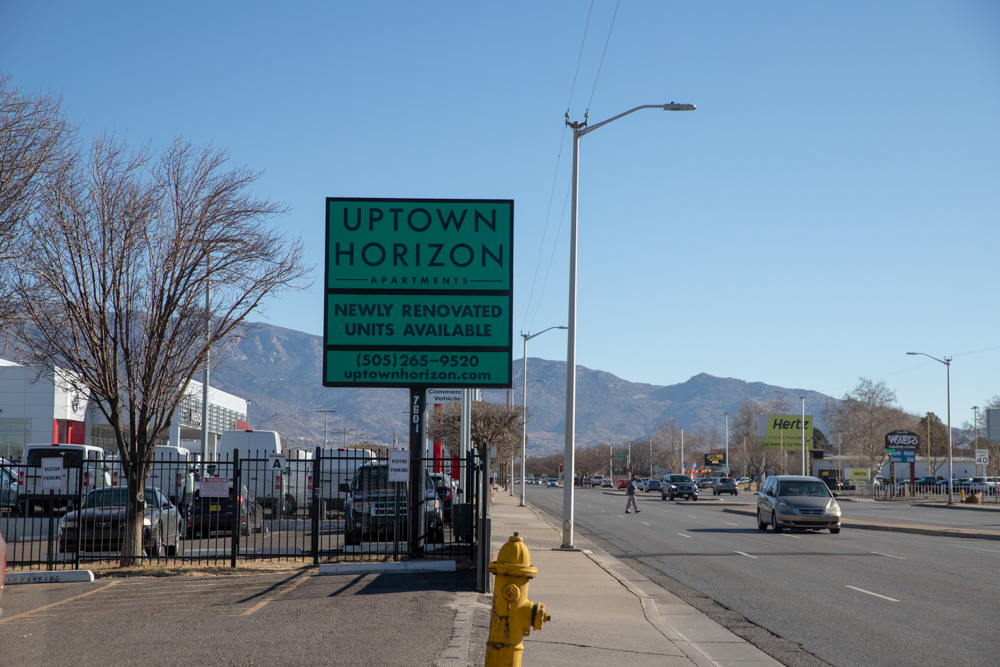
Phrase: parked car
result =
(211, 515)
(446, 490)
(3, 567)
(8, 488)
(798, 503)
(83, 470)
(652, 485)
(376, 507)
(724, 485)
(678, 486)
(99, 523)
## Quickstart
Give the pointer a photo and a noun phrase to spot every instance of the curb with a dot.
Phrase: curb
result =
(895, 528)
(55, 577)
(378, 568)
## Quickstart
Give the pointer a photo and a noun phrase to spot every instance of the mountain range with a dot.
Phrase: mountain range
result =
(280, 371)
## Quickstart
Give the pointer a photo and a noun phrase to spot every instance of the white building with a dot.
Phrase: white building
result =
(45, 409)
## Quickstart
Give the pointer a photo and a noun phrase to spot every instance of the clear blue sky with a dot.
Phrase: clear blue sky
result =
(832, 204)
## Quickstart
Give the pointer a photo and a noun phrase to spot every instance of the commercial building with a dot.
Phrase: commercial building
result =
(44, 408)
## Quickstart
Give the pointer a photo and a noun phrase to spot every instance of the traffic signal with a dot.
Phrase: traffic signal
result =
(626, 469)
(560, 467)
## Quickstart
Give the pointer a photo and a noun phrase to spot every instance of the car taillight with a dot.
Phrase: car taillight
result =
(309, 482)
(114, 478)
(86, 479)
(20, 478)
(239, 499)
(447, 494)
(180, 479)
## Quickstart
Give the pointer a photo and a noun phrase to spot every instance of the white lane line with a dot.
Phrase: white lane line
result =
(747, 555)
(975, 549)
(644, 523)
(683, 535)
(732, 524)
(798, 537)
(692, 516)
(877, 553)
(861, 590)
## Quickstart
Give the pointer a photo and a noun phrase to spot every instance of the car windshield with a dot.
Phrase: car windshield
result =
(104, 498)
(805, 487)
(680, 478)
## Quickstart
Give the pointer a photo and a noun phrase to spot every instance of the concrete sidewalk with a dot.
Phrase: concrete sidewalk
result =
(604, 612)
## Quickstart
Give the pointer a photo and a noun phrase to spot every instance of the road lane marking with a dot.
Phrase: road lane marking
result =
(683, 535)
(861, 590)
(277, 595)
(692, 516)
(798, 537)
(747, 555)
(54, 604)
(888, 555)
(644, 523)
(732, 524)
(975, 549)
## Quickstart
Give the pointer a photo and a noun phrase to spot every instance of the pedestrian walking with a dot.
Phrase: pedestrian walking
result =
(630, 492)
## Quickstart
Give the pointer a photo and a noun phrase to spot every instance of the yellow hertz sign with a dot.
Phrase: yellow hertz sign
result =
(784, 431)
(858, 473)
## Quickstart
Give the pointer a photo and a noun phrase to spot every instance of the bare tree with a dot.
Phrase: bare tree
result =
(864, 416)
(34, 145)
(493, 425)
(744, 447)
(114, 269)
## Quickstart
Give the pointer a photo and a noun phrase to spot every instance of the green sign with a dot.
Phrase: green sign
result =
(418, 293)
(783, 431)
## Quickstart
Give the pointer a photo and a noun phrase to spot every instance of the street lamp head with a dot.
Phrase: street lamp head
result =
(913, 353)
(679, 107)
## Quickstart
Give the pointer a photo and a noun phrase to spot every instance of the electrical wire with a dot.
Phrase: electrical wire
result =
(555, 245)
(580, 57)
(603, 54)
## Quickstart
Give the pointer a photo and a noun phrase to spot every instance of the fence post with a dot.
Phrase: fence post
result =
(237, 510)
(317, 506)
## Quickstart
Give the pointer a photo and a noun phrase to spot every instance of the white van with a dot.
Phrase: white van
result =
(173, 473)
(83, 469)
(270, 481)
(337, 466)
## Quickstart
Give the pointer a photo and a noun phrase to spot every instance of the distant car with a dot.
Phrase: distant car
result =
(208, 515)
(652, 485)
(552, 483)
(622, 483)
(8, 487)
(606, 483)
(725, 485)
(678, 486)
(798, 503)
(704, 482)
(446, 490)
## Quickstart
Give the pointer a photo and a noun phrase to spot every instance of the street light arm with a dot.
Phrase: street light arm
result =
(528, 337)
(666, 107)
(946, 361)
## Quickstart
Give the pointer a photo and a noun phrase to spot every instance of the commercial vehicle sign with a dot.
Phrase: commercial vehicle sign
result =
(418, 293)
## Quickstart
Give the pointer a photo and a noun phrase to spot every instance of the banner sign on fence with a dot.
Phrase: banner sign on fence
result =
(52, 474)
(214, 487)
(783, 431)
(418, 292)
(399, 465)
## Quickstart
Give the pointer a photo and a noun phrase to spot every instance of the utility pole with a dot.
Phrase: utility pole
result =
(651, 457)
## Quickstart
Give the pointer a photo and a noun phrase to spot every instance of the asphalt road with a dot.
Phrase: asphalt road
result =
(862, 597)
(291, 618)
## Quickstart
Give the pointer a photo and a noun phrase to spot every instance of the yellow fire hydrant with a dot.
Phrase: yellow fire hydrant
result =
(513, 615)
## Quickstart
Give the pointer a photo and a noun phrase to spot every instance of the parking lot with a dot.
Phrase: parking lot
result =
(293, 617)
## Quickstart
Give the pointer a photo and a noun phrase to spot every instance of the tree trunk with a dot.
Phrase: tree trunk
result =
(132, 547)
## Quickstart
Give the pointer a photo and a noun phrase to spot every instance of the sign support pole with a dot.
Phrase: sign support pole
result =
(415, 501)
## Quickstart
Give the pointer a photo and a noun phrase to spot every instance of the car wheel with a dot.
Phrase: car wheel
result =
(694, 497)
(671, 496)
(736, 493)
(288, 505)
(774, 522)
(349, 538)
(834, 531)
(760, 522)
(156, 548)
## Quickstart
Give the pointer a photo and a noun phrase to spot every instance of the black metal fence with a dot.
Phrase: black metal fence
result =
(338, 506)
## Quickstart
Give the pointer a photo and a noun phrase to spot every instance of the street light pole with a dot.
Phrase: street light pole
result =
(975, 443)
(326, 414)
(947, 362)
(524, 404)
(802, 424)
(580, 129)
(728, 470)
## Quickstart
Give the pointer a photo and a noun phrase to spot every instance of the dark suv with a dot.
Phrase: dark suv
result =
(678, 486)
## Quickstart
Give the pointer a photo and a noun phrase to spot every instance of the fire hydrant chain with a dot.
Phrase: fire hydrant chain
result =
(513, 615)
